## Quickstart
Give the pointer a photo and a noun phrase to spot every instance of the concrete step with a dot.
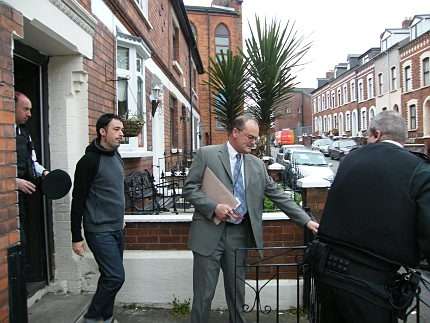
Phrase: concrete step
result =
(54, 308)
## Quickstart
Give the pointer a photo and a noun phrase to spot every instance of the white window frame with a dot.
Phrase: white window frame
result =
(345, 94)
(352, 87)
(360, 90)
(339, 97)
(143, 6)
(135, 49)
(407, 64)
(333, 99)
(393, 78)
(347, 121)
(371, 110)
(328, 99)
(408, 105)
(363, 121)
(341, 124)
(380, 83)
(370, 87)
(423, 56)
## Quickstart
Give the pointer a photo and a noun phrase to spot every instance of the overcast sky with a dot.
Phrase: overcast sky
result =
(336, 27)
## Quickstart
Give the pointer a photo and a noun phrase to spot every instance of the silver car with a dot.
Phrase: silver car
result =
(323, 145)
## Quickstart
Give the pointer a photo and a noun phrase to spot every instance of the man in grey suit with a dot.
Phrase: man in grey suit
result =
(214, 245)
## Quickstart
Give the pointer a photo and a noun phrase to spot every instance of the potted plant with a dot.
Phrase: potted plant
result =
(132, 125)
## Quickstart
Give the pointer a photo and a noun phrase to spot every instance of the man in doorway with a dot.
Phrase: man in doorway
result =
(98, 202)
(28, 168)
(214, 245)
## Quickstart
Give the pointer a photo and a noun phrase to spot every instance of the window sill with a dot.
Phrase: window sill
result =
(177, 67)
(135, 153)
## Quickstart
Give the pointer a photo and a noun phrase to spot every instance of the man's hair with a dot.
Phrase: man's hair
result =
(20, 95)
(239, 122)
(104, 120)
(391, 125)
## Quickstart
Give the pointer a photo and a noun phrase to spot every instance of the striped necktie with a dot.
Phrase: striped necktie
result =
(239, 189)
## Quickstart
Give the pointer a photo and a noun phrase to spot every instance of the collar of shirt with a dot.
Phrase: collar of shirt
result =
(393, 142)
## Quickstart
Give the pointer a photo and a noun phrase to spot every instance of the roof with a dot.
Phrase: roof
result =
(181, 13)
(216, 9)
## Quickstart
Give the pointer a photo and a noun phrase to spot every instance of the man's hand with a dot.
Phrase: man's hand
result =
(313, 226)
(25, 186)
(79, 248)
(45, 172)
(224, 212)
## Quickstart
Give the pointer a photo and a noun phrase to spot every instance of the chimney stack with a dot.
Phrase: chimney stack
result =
(406, 23)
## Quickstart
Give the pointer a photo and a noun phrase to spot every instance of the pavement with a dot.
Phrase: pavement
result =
(55, 308)
(60, 308)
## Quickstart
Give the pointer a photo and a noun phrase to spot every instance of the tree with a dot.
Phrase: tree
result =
(228, 84)
(273, 51)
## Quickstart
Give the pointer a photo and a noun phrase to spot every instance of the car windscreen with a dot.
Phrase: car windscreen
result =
(323, 142)
(310, 159)
(347, 143)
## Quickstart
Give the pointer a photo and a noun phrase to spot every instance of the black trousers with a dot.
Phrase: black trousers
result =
(340, 306)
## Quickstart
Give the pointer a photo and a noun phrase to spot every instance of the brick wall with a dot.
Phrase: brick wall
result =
(205, 25)
(292, 112)
(412, 52)
(101, 72)
(174, 236)
(10, 21)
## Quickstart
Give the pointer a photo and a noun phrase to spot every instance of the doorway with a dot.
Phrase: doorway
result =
(30, 71)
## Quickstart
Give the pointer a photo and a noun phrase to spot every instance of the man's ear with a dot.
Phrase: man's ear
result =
(102, 132)
(378, 135)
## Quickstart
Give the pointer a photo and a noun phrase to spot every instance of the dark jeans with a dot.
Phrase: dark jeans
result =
(107, 248)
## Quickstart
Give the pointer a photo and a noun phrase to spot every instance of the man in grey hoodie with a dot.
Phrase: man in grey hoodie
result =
(98, 202)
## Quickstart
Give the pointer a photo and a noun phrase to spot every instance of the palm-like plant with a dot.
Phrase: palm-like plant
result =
(228, 82)
(273, 51)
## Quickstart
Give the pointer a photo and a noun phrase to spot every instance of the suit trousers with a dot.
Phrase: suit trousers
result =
(206, 272)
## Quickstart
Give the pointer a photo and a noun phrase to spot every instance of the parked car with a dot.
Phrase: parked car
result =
(280, 156)
(305, 163)
(341, 148)
(322, 145)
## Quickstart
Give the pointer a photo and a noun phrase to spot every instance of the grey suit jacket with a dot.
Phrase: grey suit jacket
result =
(204, 233)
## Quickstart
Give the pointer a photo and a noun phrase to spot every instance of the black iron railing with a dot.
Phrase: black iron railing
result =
(264, 266)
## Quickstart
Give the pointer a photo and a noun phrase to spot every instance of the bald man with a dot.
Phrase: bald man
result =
(28, 167)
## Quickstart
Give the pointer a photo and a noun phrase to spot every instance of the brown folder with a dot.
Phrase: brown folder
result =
(217, 191)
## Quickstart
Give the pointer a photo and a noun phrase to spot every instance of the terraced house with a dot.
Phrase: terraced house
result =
(392, 77)
(77, 59)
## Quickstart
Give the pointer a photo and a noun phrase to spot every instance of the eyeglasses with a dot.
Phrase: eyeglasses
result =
(250, 137)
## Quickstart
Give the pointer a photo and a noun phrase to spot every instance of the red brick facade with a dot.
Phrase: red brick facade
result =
(10, 21)
(296, 112)
(205, 21)
(419, 94)
(101, 73)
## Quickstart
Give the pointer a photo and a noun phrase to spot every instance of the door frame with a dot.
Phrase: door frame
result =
(34, 57)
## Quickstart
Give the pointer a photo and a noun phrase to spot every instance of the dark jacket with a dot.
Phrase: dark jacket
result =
(98, 192)
(380, 202)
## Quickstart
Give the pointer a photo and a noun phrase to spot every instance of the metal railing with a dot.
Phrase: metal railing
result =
(277, 263)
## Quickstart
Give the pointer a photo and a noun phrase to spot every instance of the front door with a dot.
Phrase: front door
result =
(30, 70)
